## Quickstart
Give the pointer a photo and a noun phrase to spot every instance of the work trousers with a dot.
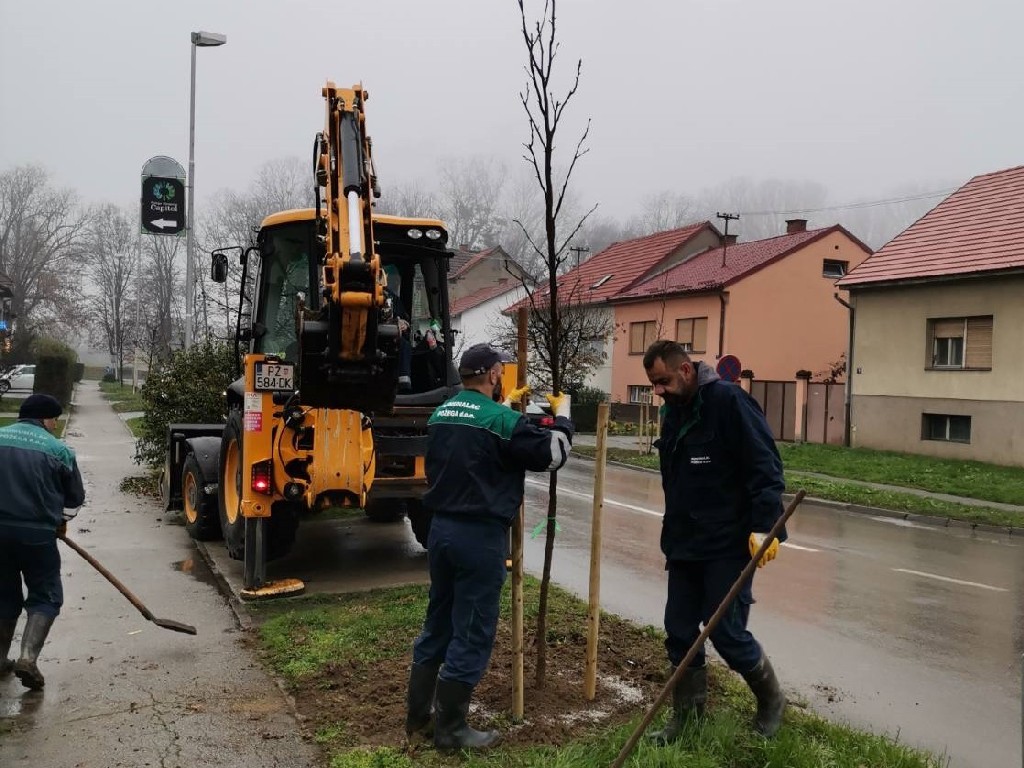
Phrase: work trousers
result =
(695, 590)
(29, 553)
(467, 571)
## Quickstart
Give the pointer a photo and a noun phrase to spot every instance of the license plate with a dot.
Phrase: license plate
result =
(272, 377)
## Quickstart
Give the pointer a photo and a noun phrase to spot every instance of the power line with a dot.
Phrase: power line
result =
(870, 204)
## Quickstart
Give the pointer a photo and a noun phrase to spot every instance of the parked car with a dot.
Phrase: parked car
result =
(19, 377)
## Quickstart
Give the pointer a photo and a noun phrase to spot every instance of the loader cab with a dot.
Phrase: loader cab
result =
(282, 281)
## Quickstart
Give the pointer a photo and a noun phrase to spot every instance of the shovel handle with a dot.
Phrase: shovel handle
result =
(108, 576)
(630, 744)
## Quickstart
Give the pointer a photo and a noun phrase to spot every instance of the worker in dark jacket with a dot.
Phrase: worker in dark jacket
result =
(723, 484)
(477, 455)
(40, 479)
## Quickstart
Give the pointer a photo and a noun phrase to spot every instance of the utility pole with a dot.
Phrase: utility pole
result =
(578, 250)
(727, 217)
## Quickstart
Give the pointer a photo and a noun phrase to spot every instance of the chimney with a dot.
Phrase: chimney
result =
(795, 225)
(731, 239)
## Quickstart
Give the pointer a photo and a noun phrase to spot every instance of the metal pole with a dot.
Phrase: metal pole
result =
(190, 243)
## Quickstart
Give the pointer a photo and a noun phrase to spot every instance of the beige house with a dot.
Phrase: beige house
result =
(938, 352)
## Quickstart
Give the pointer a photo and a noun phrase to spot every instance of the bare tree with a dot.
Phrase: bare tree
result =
(544, 113)
(111, 259)
(233, 219)
(40, 228)
(661, 211)
(409, 200)
(162, 299)
(469, 200)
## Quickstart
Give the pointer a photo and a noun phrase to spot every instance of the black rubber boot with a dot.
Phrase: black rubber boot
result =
(771, 701)
(689, 698)
(6, 635)
(419, 720)
(36, 629)
(451, 731)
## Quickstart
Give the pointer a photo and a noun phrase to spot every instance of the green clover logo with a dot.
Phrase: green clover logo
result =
(163, 190)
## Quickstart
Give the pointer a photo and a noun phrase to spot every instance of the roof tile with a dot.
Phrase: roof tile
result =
(977, 229)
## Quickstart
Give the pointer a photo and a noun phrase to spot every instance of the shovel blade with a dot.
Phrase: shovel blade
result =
(175, 626)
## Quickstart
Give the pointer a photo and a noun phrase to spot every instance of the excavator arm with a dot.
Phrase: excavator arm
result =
(349, 354)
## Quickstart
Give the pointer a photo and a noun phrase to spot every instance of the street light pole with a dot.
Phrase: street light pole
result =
(204, 40)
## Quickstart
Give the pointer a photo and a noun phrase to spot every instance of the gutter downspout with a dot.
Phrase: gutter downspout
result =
(721, 325)
(848, 394)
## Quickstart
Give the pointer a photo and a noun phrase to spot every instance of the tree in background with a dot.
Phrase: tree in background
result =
(111, 259)
(40, 232)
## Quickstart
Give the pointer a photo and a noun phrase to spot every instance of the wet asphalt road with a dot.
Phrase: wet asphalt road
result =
(119, 690)
(893, 627)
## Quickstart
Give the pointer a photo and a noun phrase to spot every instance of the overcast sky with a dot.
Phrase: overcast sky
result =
(862, 97)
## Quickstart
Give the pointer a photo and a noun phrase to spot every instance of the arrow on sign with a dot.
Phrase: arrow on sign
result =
(163, 223)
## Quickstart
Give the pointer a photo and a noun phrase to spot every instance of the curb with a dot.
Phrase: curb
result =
(910, 517)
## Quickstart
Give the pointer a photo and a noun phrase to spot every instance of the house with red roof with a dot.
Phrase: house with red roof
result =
(619, 267)
(481, 285)
(772, 303)
(938, 352)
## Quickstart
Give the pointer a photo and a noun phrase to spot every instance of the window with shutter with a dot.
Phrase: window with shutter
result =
(641, 336)
(692, 333)
(959, 343)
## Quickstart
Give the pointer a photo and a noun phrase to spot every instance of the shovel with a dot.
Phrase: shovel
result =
(631, 743)
(175, 626)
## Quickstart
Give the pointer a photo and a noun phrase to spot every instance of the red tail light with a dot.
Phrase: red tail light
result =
(261, 477)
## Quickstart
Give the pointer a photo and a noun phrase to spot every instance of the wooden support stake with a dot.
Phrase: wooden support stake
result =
(594, 606)
(518, 702)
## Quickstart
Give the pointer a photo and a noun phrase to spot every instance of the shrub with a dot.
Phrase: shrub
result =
(588, 396)
(55, 369)
(187, 389)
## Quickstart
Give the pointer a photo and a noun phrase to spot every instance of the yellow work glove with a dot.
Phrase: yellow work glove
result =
(560, 404)
(755, 542)
(516, 395)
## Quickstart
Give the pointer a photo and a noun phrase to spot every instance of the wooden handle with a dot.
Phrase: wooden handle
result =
(109, 577)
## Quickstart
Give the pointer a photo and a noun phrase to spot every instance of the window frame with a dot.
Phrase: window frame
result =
(927, 433)
(653, 326)
(844, 268)
(693, 328)
(640, 389)
(984, 326)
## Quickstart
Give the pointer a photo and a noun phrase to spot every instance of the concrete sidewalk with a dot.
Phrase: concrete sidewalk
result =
(631, 443)
(120, 691)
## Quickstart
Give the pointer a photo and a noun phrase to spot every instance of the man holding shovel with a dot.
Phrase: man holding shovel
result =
(40, 479)
(723, 483)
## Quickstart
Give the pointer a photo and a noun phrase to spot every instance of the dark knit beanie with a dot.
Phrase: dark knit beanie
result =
(40, 407)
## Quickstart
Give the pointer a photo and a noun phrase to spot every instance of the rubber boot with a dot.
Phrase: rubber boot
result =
(36, 629)
(419, 720)
(689, 698)
(771, 701)
(6, 635)
(451, 731)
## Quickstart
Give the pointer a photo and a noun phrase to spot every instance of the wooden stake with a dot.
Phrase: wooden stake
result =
(594, 606)
(518, 702)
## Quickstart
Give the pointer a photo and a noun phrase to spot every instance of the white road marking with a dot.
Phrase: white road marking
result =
(634, 508)
(950, 580)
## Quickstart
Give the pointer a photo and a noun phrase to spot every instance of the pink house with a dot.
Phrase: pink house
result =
(772, 303)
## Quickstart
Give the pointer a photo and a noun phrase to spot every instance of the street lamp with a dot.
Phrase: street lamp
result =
(199, 40)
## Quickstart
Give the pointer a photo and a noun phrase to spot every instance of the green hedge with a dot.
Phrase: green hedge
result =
(55, 369)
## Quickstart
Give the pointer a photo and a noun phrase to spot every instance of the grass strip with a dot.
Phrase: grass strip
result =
(311, 636)
(122, 398)
(851, 493)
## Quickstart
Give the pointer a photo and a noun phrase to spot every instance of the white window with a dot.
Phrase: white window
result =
(640, 393)
(960, 343)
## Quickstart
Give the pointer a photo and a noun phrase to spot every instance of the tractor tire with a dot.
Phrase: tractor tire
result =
(229, 487)
(284, 518)
(385, 510)
(202, 521)
(419, 519)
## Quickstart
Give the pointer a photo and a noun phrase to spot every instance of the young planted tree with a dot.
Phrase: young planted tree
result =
(548, 316)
